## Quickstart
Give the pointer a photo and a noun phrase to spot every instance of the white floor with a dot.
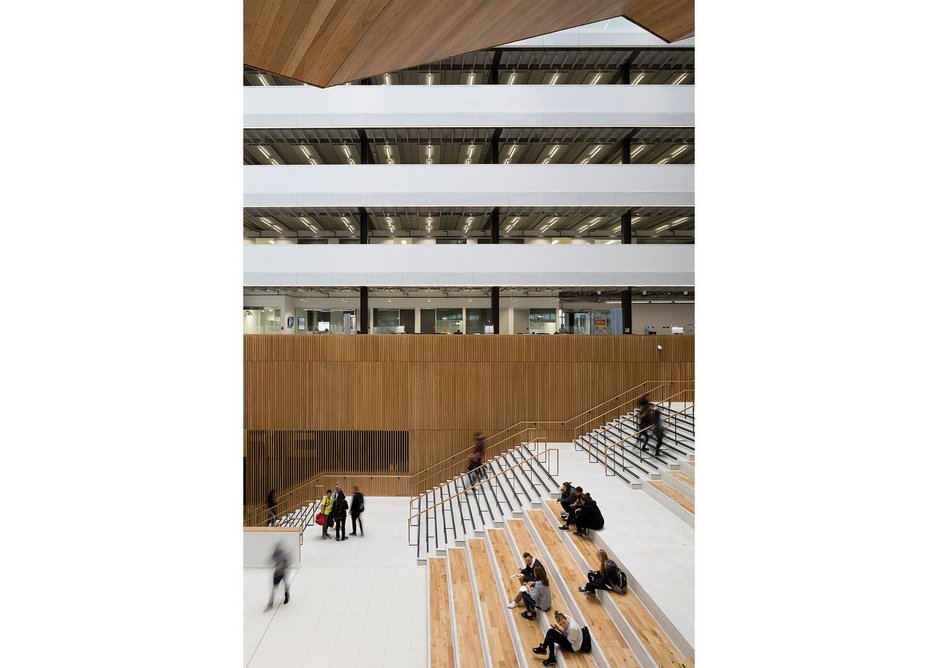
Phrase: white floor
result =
(359, 602)
(652, 542)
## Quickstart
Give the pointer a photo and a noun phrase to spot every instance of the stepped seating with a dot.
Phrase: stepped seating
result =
(469, 590)
(299, 517)
(661, 648)
(444, 514)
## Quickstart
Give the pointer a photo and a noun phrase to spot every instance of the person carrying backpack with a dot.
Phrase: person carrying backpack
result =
(339, 513)
(607, 577)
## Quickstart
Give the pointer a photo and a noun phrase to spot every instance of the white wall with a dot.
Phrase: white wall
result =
(468, 185)
(482, 265)
(468, 106)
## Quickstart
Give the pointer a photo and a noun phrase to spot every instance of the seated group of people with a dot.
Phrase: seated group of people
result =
(535, 594)
(579, 510)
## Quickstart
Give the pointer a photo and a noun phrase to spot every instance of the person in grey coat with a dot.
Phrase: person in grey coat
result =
(538, 595)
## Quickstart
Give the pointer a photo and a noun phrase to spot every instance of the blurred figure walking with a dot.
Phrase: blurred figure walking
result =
(271, 507)
(281, 562)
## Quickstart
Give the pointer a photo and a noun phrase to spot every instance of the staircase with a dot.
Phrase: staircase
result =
(668, 476)
(460, 506)
(470, 587)
(299, 517)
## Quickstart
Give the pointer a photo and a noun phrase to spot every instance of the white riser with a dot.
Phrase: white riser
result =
(669, 504)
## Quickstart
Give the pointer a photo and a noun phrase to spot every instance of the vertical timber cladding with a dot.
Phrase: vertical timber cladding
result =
(421, 397)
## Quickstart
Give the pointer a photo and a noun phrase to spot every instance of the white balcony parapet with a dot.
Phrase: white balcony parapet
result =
(468, 106)
(480, 265)
(617, 32)
(468, 185)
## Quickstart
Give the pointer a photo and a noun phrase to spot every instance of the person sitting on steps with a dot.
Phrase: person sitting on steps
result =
(526, 575)
(537, 597)
(566, 633)
(604, 578)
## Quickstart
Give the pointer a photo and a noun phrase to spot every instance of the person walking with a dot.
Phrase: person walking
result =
(358, 507)
(339, 512)
(566, 633)
(326, 509)
(657, 429)
(271, 507)
(644, 420)
(281, 562)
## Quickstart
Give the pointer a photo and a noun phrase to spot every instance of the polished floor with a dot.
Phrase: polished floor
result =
(359, 602)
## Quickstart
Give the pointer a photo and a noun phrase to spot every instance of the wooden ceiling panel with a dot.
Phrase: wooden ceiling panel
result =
(329, 42)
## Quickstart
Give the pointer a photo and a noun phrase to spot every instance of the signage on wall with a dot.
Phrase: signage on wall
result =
(290, 322)
(301, 323)
(601, 325)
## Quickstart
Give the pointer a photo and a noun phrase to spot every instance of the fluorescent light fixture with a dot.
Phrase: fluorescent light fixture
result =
(610, 242)
(664, 161)
(596, 79)
(678, 221)
(351, 162)
(546, 161)
(676, 152)
(387, 150)
(313, 162)
(263, 80)
(403, 242)
(596, 149)
(429, 150)
(554, 78)
(274, 162)
(472, 78)
(511, 79)
(305, 151)
(555, 241)
(511, 151)
(264, 151)
(553, 150)
(639, 78)
(616, 228)
(429, 78)
(680, 79)
(348, 154)
(638, 149)
(266, 222)
(276, 228)
(662, 228)
(472, 148)
(387, 80)
(271, 241)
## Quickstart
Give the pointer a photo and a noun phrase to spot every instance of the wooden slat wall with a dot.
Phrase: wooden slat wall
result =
(438, 389)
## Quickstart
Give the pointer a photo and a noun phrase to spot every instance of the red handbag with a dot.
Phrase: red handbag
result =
(320, 519)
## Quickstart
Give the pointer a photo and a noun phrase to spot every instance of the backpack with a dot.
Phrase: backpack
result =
(621, 583)
(587, 643)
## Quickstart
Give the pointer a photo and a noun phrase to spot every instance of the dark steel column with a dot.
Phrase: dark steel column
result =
(362, 225)
(363, 310)
(627, 149)
(493, 71)
(496, 224)
(627, 227)
(627, 311)
(494, 145)
(495, 309)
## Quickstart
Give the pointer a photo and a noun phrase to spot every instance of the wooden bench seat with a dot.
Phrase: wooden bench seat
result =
(441, 627)
(491, 606)
(469, 642)
(685, 503)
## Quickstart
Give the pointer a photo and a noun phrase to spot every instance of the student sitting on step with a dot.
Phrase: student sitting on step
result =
(588, 516)
(526, 575)
(537, 597)
(566, 633)
(572, 508)
(605, 578)
(567, 501)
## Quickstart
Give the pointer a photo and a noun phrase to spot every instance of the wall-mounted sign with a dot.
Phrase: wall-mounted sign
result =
(301, 323)
(289, 322)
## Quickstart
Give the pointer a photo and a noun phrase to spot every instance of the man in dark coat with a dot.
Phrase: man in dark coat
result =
(358, 507)
(339, 508)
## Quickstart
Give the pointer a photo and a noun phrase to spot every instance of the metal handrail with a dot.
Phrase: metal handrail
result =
(465, 490)
(628, 437)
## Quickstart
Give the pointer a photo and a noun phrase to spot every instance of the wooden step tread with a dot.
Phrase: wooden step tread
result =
(525, 543)
(529, 633)
(469, 646)
(441, 629)
(674, 495)
(683, 477)
(491, 606)
(649, 632)
(690, 463)
(594, 615)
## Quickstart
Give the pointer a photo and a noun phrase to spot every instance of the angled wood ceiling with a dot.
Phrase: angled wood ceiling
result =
(329, 42)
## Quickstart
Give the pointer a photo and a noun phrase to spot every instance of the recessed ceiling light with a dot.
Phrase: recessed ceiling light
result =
(639, 78)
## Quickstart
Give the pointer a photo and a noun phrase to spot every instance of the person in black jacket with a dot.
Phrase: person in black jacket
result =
(605, 578)
(271, 507)
(339, 508)
(588, 516)
(358, 507)
(525, 574)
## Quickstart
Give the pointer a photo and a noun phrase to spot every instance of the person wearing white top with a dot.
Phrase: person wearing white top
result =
(566, 633)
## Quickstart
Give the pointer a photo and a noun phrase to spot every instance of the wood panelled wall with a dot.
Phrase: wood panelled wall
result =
(441, 389)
